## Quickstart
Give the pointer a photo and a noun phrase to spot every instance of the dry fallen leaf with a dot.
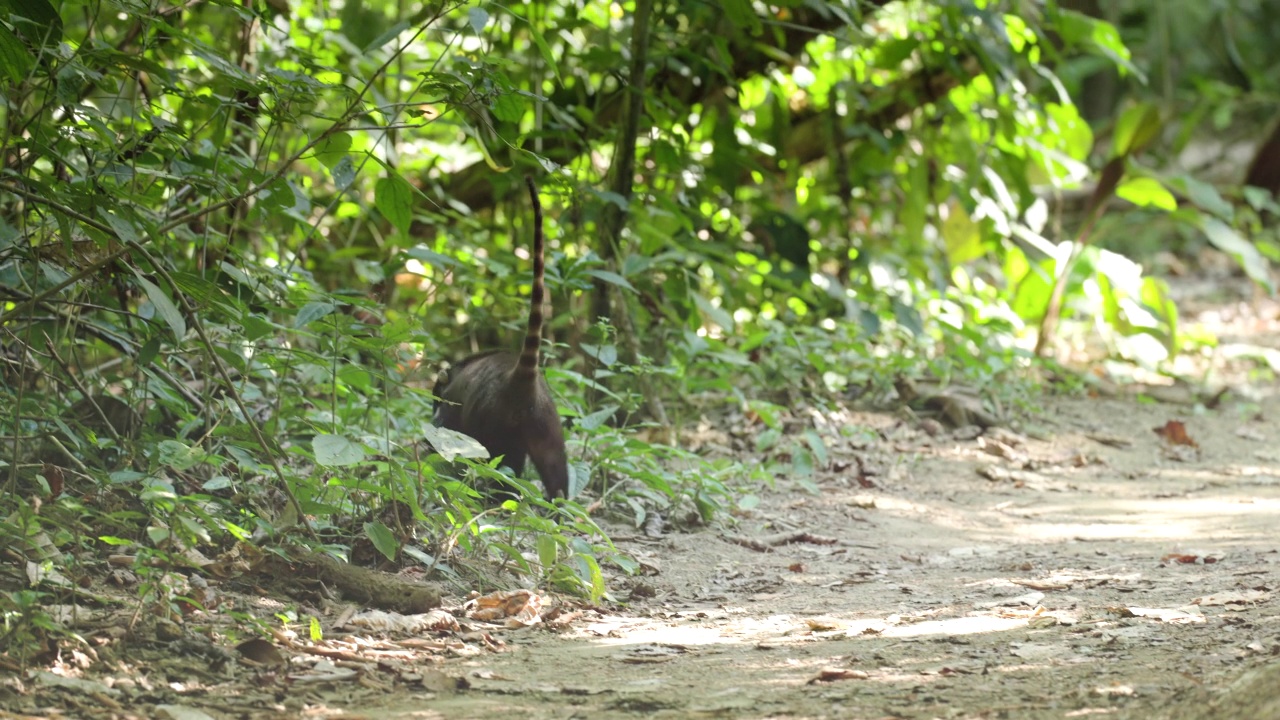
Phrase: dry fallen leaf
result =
(519, 606)
(1174, 432)
(260, 652)
(833, 674)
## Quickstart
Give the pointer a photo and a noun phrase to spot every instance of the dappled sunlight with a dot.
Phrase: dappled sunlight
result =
(1181, 519)
(778, 631)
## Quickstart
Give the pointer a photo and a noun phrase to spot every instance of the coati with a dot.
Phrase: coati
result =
(502, 400)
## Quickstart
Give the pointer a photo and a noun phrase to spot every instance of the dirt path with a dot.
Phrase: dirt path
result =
(1095, 571)
(1099, 580)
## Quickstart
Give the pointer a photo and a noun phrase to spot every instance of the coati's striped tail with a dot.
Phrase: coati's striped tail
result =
(528, 364)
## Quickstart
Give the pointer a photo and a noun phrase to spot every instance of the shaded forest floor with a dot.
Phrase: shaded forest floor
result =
(1084, 566)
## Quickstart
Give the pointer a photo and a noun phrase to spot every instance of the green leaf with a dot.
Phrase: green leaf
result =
(336, 450)
(123, 227)
(148, 352)
(597, 418)
(316, 630)
(178, 455)
(818, 447)
(548, 548)
(545, 50)
(164, 307)
(595, 577)
(451, 444)
(606, 354)
(15, 59)
(742, 14)
(255, 328)
(508, 107)
(478, 17)
(579, 476)
(393, 196)
(43, 16)
(311, 312)
(1147, 192)
(357, 377)
(386, 37)
(382, 538)
(612, 278)
(962, 237)
(1135, 129)
(767, 412)
(717, 315)
(333, 148)
(1226, 239)
(1203, 195)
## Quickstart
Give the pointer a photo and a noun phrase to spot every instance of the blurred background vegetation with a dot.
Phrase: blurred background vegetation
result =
(238, 241)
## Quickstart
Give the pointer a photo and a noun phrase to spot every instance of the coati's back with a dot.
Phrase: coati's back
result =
(501, 398)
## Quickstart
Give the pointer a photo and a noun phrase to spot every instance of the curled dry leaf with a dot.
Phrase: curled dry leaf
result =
(521, 606)
(833, 674)
(1174, 432)
(379, 620)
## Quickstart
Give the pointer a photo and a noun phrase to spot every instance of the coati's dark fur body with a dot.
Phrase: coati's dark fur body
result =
(502, 400)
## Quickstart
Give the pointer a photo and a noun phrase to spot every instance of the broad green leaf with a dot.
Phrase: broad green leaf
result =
(215, 483)
(545, 50)
(548, 549)
(1203, 195)
(1135, 129)
(164, 307)
(386, 37)
(15, 60)
(1147, 192)
(336, 450)
(451, 444)
(1226, 239)
(1155, 295)
(382, 538)
(344, 173)
(431, 257)
(508, 107)
(393, 197)
(963, 239)
(818, 447)
(801, 462)
(608, 355)
(1099, 36)
(123, 227)
(178, 455)
(356, 377)
(767, 412)
(597, 418)
(612, 278)
(717, 315)
(316, 630)
(579, 475)
(742, 14)
(311, 312)
(1072, 132)
(768, 439)
(148, 352)
(333, 149)
(478, 17)
(43, 16)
